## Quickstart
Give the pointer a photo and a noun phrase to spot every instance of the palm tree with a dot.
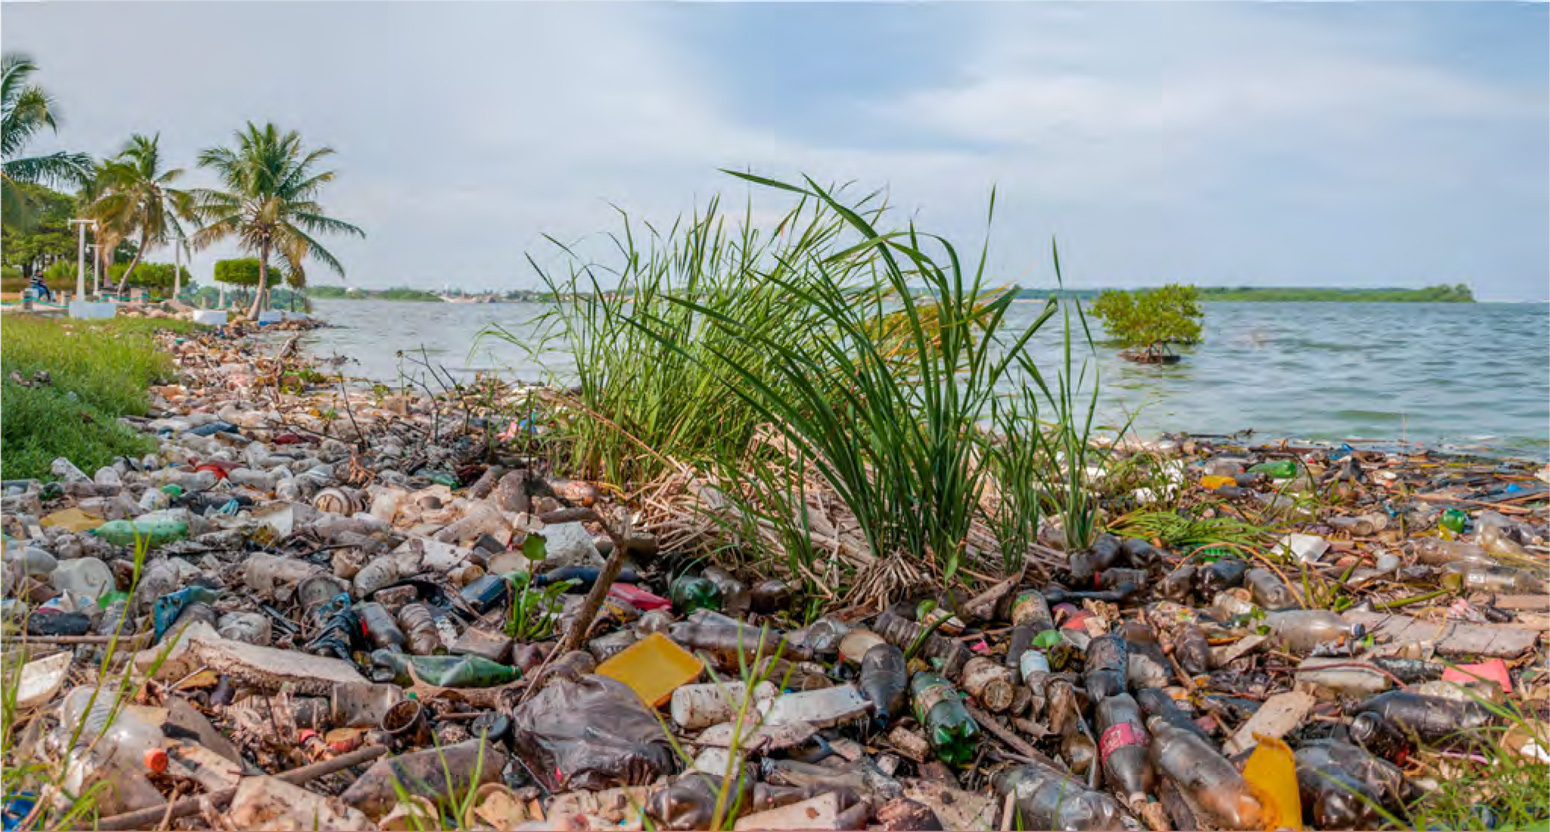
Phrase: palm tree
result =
(269, 201)
(25, 110)
(137, 197)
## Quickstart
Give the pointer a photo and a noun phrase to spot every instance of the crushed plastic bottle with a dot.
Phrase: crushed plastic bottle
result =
(444, 671)
(154, 533)
(1049, 799)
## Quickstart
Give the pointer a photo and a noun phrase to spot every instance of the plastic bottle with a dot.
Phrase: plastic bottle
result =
(954, 735)
(1049, 799)
(903, 633)
(822, 708)
(700, 706)
(1194, 765)
(1268, 590)
(486, 593)
(726, 643)
(1281, 469)
(1192, 649)
(989, 682)
(770, 596)
(1381, 737)
(1429, 718)
(735, 599)
(690, 593)
(122, 753)
(1343, 678)
(379, 627)
(86, 578)
(1030, 616)
(1342, 787)
(434, 773)
(1212, 578)
(1361, 526)
(1156, 702)
(375, 575)
(1299, 631)
(885, 681)
(467, 671)
(1178, 584)
(1492, 577)
(1498, 535)
(1122, 743)
(155, 532)
(1108, 659)
(1104, 554)
(419, 628)
(1434, 552)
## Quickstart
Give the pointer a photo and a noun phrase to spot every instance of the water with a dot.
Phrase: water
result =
(1467, 376)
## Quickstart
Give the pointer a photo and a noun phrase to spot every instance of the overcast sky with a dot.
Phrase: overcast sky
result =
(1370, 144)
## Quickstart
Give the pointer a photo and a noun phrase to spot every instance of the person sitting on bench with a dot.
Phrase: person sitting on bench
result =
(40, 289)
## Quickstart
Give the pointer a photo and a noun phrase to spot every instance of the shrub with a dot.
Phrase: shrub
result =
(149, 275)
(1151, 319)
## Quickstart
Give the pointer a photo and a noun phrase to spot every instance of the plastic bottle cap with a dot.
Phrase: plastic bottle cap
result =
(156, 760)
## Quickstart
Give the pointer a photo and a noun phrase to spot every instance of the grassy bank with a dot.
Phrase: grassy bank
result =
(97, 371)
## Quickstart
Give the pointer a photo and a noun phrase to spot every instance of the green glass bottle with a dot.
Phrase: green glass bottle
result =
(1281, 469)
(445, 671)
(938, 706)
(690, 593)
(1454, 520)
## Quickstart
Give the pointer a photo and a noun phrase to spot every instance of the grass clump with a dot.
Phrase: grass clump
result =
(97, 371)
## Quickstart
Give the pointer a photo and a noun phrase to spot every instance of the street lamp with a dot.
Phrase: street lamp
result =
(80, 257)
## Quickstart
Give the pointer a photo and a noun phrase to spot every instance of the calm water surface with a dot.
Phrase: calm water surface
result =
(1471, 376)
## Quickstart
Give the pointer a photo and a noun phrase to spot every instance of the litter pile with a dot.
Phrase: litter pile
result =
(328, 608)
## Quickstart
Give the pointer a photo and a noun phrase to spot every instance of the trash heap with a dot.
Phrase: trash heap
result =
(323, 608)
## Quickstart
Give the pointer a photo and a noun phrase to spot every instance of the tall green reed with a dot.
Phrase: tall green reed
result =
(885, 395)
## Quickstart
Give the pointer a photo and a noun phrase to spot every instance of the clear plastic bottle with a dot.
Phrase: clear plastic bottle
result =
(1108, 659)
(1437, 552)
(1050, 799)
(1196, 767)
(1493, 577)
(122, 748)
(1268, 590)
(1302, 630)
(1030, 616)
(735, 599)
(1498, 535)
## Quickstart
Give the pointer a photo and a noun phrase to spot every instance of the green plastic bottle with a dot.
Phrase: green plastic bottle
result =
(125, 532)
(938, 706)
(1454, 520)
(444, 671)
(1281, 469)
(690, 593)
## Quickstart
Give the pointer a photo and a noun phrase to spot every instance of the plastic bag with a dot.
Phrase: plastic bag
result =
(590, 733)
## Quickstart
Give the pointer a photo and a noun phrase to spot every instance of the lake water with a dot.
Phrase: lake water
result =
(1460, 376)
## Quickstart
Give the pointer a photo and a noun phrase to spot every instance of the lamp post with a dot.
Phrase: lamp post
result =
(80, 257)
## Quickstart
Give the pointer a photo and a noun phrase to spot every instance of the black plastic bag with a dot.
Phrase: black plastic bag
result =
(592, 732)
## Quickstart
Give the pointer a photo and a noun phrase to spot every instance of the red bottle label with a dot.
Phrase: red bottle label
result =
(1117, 737)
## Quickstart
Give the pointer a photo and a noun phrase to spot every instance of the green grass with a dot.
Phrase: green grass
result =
(100, 370)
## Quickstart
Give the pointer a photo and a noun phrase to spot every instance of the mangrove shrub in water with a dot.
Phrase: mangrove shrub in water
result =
(1148, 320)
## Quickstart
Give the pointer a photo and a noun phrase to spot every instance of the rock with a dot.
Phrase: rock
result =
(269, 803)
(264, 668)
(568, 544)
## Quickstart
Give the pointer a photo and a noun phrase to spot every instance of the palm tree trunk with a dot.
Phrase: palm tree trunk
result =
(135, 261)
(263, 281)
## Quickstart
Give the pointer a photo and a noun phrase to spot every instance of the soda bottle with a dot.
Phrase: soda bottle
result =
(903, 633)
(1178, 584)
(1268, 590)
(1281, 469)
(1214, 577)
(1381, 737)
(728, 642)
(1194, 765)
(735, 599)
(938, 707)
(1083, 566)
(1454, 520)
(692, 592)
(1342, 786)
(380, 628)
(1501, 536)
(770, 596)
(1108, 660)
(1030, 616)
(1430, 719)
(1122, 742)
(885, 681)
(1192, 649)
(154, 532)
(123, 749)
(1299, 631)
(1156, 702)
(418, 625)
(1050, 799)
(466, 671)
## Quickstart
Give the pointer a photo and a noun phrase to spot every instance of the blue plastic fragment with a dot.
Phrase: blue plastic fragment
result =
(16, 809)
(168, 607)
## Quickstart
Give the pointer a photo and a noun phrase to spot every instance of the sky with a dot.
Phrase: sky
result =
(1289, 144)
